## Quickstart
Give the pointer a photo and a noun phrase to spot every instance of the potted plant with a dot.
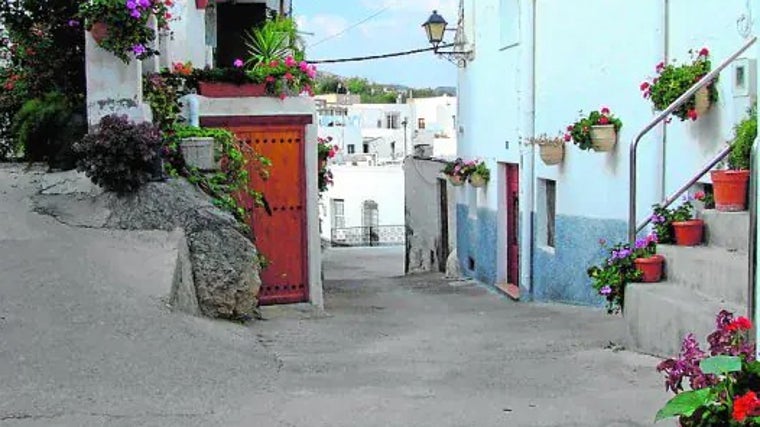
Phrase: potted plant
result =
(121, 27)
(478, 173)
(646, 259)
(678, 225)
(200, 147)
(674, 80)
(718, 386)
(598, 131)
(610, 277)
(551, 150)
(730, 186)
(456, 172)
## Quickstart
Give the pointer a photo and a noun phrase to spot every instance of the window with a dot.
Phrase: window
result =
(421, 123)
(365, 148)
(392, 120)
(379, 124)
(393, 149)
(351, 149)
(338, 213)
(547, 201)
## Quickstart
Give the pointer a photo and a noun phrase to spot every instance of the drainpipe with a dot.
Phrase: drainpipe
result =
(664, 127)
(527, 130)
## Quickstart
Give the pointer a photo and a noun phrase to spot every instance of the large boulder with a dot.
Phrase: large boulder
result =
(223, 258)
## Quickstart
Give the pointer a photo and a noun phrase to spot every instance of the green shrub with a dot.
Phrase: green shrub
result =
(746, 132)
(120, 156)
(44, 129)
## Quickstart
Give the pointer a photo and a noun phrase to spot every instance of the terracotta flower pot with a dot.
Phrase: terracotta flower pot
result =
(603, 137)
(650, 268)
(231, 90)
(477, 180)
(730, 188)
(552, 154)
(201, 4)
(456, 181)
(99, 31)
(688, 233)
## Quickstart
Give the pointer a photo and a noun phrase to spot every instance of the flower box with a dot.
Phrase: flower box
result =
(603, 137)
(456, 181)
(477, 180)
(231, 90)
(198, 152)
(650, 268)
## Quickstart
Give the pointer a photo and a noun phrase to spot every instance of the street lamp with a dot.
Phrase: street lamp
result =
(435, 29)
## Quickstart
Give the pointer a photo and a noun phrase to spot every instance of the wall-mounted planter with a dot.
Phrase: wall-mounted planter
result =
(456, 181)
(477, 180)
(702, 100)
(99, 31)
(730, 188)
(688, 233)
(650, 268)
(199, 153)
(231, 90)
(552, 154)
(603, 137)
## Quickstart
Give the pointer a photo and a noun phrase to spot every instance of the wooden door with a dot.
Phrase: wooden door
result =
(281, 236)
(443, 208)
(513, 225)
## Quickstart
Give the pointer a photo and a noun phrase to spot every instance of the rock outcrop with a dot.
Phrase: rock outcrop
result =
(223, 259)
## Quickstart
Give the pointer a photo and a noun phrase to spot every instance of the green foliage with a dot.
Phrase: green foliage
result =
(721, 365)
(663, 218)
(477, 168)
(233, 181)
(120, 156)
(580, 131)
(379, 98)
(685, 404)
(45, 129)
(610, 277)
(162, 92)
(273, 41)
(128, 33)
(746, 132)
(674, 80)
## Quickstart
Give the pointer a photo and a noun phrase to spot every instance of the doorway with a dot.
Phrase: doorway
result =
(443, 208)
(513, 225)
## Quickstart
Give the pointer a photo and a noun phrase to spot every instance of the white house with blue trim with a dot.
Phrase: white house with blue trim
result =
(532, 66)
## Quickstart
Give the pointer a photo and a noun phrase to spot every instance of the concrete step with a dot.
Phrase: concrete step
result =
(728, 230)
(712, 271)
(659, 315)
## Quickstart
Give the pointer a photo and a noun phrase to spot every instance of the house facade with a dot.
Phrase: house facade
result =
(534, 65)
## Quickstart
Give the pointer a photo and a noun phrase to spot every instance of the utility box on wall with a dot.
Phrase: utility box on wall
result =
(744, 85)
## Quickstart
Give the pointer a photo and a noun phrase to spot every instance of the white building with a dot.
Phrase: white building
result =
(534, 65)
(435, 121)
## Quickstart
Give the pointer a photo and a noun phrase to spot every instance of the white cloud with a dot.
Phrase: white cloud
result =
(322, 25)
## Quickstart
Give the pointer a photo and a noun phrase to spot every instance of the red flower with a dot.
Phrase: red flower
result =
(704, 52)
(693, 114)
(660, 67)
(605, 110)
(274, 63)
(568, 137)
(167, 16)
(604, 120)
(699, 195)
(283, 96)
(8, 86)
(745, 405)
(570, 128)
(270, 79)
(288, 76)
(644, 86)
(741, 323)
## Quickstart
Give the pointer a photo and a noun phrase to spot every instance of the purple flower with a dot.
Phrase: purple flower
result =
(658, 219)
(144, 3)
(138, 49)
(642, 243)
(238, 63)
(606, 290)
(73, 23)
(131, 5)
(136, 14)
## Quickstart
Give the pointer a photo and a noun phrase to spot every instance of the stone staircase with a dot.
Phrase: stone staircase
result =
(699, 281)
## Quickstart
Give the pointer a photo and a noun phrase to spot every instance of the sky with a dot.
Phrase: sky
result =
(391, 26)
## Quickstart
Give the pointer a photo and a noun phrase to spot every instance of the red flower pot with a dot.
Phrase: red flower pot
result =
(730, 188)
(201, 4)
(99, 31)
(231, 90)
(651, 268)
(688, 233)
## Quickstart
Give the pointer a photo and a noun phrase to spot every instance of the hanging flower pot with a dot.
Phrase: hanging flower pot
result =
(603, 137)
(456, 180)
(477, 180)
(201, 4)
(688, 233)
(552, 154)
(99, 31)
(730, 189)
(650, 268)
(702, 100)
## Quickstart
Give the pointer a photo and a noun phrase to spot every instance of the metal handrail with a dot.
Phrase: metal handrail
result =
(752, 247)
(673, 197)
(686, 96)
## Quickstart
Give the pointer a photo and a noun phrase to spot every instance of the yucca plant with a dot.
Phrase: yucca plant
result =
(273, 41)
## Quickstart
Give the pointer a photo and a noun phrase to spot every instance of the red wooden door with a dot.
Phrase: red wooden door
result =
(281, 237)
(513, 225)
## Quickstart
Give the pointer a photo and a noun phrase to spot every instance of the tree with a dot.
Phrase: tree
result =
(357, 85)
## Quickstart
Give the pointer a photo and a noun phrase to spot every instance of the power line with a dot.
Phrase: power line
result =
(351, 27)
(387, 55)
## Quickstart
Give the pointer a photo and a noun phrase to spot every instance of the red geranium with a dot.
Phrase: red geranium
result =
(746, 405)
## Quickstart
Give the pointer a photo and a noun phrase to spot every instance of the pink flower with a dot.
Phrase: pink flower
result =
(238, 63)
(660, 66)
(270, 79)
(568, 137)
(570, 128)
(644, 86)
(274, 63)
(283, 96)
(605, 110)
(704, 52)
(304, 66)
(288, 77)
(290, 62)
(604, 120)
